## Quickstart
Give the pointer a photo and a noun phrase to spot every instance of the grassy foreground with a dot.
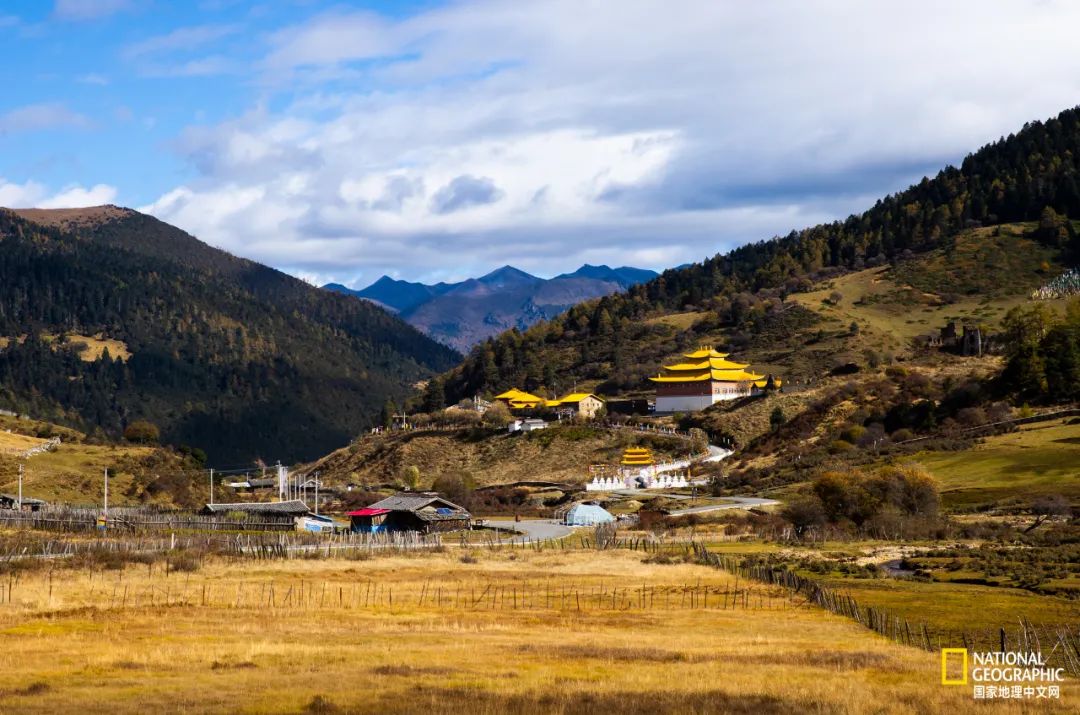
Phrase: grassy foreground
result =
(496, 632)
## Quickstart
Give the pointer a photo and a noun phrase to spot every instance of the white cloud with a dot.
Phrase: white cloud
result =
(335, 37)
(34, 195)
(93, 78)
(176, 54)
(78, 10)
(181, 39)
(78, 196)
(650, 132)
(37, 117)
(17, 196)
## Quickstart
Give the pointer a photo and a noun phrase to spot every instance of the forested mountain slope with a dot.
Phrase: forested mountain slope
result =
(1027, 176)
(224, 353)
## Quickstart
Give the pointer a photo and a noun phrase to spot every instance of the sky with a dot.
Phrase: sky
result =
(340, 141)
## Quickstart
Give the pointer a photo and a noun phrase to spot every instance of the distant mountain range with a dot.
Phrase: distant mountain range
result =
(463, 314)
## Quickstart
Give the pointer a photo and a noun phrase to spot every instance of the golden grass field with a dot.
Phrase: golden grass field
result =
(511, 632)
(12, 443)
(93, 345)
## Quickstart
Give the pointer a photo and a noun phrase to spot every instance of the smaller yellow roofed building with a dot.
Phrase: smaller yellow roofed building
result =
(517, 399)
(584, 404)
(637, 457)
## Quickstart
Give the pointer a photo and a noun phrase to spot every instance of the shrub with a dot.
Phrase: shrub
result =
(776, 419)
(805, 515)
(142, 432)
(184, 561)
(853, 433)
(498, 415)
(321, 705)
(856, 497)
(840, 446)
(971, 416)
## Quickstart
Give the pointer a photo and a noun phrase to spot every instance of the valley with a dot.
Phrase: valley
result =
(795, 471)
(463, 314)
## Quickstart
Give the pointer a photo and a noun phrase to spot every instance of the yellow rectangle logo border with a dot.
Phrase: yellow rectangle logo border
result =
(945, 653)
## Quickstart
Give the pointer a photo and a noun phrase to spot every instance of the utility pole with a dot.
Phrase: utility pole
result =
(20, 485)
(316, 493)
(211, 486)
(106, 509)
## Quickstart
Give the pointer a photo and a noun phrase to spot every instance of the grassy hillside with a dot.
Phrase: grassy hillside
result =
(617, 341)
(73, 472)
(560, 454)
(1011, 469)
(111, 316)
(984, 273)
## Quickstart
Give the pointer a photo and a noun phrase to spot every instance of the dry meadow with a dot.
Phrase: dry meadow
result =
(481, 632)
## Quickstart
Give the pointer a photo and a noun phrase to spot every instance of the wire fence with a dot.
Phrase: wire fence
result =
(1060, 644)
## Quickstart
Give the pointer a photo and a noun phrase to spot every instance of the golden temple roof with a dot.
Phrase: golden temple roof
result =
(519, 399)
(571, 399)
(705, 353)
(714, 363)
(576, 397)
(637, 457)
(707, 364)
(732, 375)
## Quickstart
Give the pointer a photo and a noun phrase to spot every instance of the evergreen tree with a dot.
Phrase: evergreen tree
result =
(434, 396)
(386, 417)
(776, 419)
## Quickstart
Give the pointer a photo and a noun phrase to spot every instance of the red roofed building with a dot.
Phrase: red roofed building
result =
(410, 511)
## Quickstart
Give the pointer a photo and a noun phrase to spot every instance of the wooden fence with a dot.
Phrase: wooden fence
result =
(1063, 640)
(75, 519)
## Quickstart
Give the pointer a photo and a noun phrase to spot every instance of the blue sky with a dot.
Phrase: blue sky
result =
(343, 140)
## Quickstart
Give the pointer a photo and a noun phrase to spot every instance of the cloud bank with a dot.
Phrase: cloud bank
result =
(34, 195)
(551, 133)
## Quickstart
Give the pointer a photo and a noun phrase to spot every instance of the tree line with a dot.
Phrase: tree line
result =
(227, 355)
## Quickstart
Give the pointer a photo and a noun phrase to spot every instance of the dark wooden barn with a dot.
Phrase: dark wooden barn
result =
(11, 501)
(411, 511)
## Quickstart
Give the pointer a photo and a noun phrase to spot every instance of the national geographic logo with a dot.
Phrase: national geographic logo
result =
(1013, 675)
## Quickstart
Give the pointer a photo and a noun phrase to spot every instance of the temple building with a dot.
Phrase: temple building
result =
(582, 404)
(704, 378)
(636, 457)
(517, 399)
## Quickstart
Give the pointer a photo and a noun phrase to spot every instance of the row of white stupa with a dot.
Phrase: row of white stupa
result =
(632, 481)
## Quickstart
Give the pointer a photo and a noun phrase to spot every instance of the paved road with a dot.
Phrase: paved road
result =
(545, 529)
(736, 503)
(534, 529)
(717, 453)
